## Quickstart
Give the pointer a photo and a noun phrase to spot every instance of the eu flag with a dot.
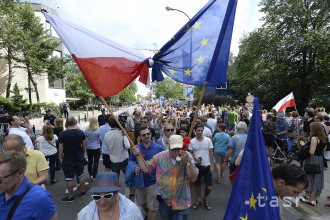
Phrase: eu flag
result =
(253, 195)
(199, 52)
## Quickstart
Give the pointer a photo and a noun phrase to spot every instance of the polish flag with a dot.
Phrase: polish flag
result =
(107, 66)
(287, 101)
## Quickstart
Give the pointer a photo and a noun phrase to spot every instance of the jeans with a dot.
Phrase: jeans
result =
(167, 213)
(52, 161)
(93, 161)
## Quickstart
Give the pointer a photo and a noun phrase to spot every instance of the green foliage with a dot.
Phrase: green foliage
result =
(217, 100)
(77, 86)
(169, 88)
(290, 52)
(17, 99)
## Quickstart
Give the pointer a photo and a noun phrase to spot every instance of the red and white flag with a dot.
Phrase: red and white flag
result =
(107, 66)
(287, 101)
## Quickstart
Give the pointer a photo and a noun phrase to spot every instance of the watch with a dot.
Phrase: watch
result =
(188, 164)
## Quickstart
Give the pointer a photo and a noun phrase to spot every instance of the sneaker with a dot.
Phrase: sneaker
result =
(67, 199)
(83, 194)
(74, 189)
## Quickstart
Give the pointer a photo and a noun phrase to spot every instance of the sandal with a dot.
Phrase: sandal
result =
(207, 204)
(328, 197)
(218, 181)
(196, 204)
(311, 203)
(306, 199)
(327, 206)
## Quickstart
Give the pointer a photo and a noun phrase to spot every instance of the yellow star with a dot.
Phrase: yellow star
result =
(245, 218)
(205, 41)
(200, 59)
(187, 72)
(197, 25)
(264, 189)
(172, 71)
(187, 28)
(158, 52)
(253, 202)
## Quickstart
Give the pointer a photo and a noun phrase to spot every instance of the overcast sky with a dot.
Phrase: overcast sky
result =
(145, 24)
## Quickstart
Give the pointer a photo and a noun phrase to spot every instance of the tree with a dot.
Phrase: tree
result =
(9, 36)
(17, 99)
(169, 88)
(290, 52)
(78, 87)
(37, 48)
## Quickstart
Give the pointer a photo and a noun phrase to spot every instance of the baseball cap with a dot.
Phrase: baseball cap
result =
(175, 141)
(105, 182)
(281, 115)
(48, 110)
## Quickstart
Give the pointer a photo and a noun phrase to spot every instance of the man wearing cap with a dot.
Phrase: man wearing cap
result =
(174, 169)
(107, 202)
(281, 129)
(146, 197)
(49, 117)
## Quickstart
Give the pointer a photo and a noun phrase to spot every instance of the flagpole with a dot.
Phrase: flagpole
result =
(197, 110)
(123, 129)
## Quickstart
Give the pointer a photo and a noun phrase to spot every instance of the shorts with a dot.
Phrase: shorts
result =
(219, 158)
(106, 161)
(147, 196)
(204, 171)
(72, 168)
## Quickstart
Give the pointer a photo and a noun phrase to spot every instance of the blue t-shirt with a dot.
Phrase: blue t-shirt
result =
(103, 130)
(281, 126)
(237, 143)
(221, 141)
(148, 154)
(36, 204)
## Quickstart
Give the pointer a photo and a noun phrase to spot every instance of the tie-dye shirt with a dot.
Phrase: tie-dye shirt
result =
(172, 184)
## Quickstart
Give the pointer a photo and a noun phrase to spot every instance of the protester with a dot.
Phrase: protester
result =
(37, 166)
(65, 110)
(15, 128)
(104, 129)
(235, 146)
(3, 118)
(72, 147)
(202, 149)
(221, 141)
(49, 117)
(117, 144)
(232, 119)
(107, 202)
(315, 180)
(168, 131)
(146, 196)
(102, 117)
(14, 184)
(172, 178)
(282, 130)
(93, 146)
(47, 145)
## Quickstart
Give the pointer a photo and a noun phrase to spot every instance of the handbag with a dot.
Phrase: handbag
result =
(85, 161)
(303, 153)
(312, 169)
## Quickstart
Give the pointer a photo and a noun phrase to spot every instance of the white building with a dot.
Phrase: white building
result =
(49, 91)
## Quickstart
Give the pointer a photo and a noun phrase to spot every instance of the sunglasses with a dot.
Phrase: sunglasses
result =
(170, 130)
(146, 135)
(97, 197)
(4, 177)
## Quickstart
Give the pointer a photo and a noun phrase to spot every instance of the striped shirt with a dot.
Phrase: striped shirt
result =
(171, 181)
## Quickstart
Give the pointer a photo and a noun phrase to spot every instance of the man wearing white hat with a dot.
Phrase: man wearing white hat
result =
(175, 169)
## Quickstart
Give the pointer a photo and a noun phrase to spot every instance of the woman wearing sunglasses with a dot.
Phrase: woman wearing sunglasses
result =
(107, 202)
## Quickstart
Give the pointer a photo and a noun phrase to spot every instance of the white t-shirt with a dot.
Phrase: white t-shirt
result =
(212, 123)
(46, 148)
(202, 149)
(207, 132)
(22, 132)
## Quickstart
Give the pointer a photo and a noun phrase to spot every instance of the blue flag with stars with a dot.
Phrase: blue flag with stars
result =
(253, 195)
(199, 52)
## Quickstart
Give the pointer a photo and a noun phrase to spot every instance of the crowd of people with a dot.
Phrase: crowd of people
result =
(159, 169)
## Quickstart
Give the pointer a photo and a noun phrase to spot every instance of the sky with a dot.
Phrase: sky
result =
(145, 24)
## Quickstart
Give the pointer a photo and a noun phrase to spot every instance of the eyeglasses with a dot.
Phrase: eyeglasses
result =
(4, 177)
(170, 130)
(97, 197)
(146, 135)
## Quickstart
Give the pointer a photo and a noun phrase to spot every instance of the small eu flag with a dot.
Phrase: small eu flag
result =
(253, 196)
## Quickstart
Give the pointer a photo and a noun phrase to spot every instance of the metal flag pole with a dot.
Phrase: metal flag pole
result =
(197, 110)
(123, 129)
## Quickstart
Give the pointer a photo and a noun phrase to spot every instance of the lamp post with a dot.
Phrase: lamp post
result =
(168, 8)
